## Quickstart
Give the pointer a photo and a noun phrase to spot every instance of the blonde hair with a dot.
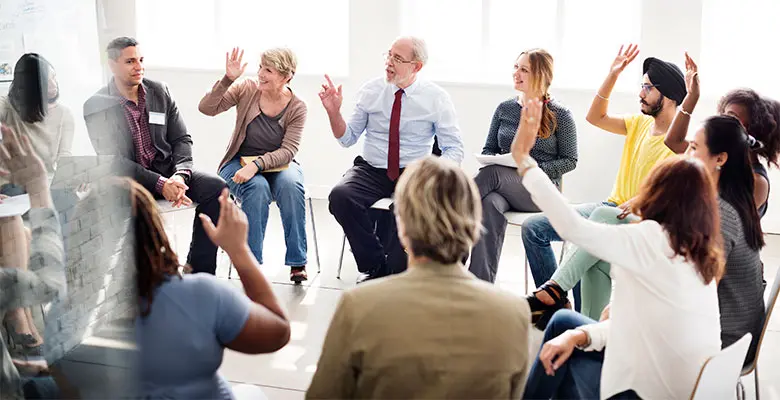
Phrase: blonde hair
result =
(440, 209)
(281, 59)
(541, 77)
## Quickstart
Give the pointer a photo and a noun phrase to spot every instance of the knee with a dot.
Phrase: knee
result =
(562, 321)
(532, 229)
(493, 203)
(291, 188)
(256, 188)
(339, 199)
(605, 214)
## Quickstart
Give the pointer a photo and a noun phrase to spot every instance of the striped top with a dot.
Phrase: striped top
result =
(556, 154)
(741, 290)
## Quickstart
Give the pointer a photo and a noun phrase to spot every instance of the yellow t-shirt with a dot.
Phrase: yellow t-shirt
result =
(640, 154)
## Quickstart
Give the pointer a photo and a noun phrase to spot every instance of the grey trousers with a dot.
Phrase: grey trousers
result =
(501, 190)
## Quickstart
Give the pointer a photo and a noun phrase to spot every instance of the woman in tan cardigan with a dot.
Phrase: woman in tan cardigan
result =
(259, 166)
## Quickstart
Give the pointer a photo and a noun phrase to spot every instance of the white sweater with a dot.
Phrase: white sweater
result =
(664, 321)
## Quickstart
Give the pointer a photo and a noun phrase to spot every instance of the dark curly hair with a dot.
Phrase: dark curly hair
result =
(763, 120)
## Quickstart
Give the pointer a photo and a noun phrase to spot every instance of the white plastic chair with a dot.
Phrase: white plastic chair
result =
(166, 207)
(381, 204)
(518, 219)
(313, 228)
(753, 366)
(720, 373)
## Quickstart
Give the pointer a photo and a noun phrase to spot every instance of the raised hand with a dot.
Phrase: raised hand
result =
(233, 66)
(624, 58)
(530, 121)
(331, 96)
(691, 76)
(232, 229)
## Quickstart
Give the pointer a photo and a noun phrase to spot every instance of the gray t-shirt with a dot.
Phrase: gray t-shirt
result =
(183, 339)
(263, 135)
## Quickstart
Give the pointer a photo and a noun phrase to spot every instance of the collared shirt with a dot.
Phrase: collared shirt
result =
(426, 111)
(138, 122)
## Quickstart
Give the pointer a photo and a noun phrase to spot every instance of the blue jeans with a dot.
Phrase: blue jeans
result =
(537, 235)
(578, 378)
(286, 189)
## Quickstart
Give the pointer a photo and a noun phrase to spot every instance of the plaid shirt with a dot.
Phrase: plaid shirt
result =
(138, 121)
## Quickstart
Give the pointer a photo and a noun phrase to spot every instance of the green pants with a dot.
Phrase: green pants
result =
(579, 265)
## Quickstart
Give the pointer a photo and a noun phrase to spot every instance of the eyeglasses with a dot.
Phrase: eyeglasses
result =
(395, 59)
(647, 87)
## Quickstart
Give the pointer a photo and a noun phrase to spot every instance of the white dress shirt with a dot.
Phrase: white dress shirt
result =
(664, 321)
(426, 111)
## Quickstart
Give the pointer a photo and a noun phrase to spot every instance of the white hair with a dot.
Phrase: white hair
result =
(419, 48)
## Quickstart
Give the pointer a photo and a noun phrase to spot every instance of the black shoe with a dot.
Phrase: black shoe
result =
(298, 274)
(541, 312)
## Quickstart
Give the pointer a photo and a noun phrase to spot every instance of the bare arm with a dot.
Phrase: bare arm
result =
(267, 328)
(678, 130)
(598, 113)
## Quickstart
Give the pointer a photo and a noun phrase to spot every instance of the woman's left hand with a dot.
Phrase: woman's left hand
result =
(245, 173)
(530, 121)
(556, 351)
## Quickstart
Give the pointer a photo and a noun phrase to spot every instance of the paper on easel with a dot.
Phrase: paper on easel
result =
(501, 159)
(14, 206)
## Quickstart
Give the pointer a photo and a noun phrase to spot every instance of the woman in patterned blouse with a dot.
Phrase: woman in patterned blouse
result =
(500, 187)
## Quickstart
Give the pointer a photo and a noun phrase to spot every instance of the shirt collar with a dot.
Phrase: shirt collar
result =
(409, 90)
(114, 91)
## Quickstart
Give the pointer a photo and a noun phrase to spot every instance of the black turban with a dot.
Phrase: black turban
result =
(667, 78)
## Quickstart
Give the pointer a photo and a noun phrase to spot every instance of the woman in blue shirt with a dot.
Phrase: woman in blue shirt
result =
(186, 321)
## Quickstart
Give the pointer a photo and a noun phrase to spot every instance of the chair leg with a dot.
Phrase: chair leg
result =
(341, 257)
(755, 376)
(525, 267)
(314, 231)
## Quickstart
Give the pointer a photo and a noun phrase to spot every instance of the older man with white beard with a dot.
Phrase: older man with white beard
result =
(401, 116)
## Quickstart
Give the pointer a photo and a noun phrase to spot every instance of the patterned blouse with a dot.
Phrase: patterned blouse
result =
(556, 154)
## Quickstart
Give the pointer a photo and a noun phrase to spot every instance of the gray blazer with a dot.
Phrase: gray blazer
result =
(110, 134)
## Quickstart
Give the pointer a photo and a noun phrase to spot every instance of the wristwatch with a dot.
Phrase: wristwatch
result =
(257, 164)
(527, 163)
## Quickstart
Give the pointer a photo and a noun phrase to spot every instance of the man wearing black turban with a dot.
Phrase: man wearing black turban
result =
(668, 79)
(663, 89)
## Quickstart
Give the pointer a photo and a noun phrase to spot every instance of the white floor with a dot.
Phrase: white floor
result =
(287, 373)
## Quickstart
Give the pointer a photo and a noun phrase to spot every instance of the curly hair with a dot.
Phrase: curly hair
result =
(763, 120)
(154, 258)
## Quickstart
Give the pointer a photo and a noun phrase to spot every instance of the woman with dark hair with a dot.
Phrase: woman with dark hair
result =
(723, 144)
(31, 110)
(760, 117)
(665, 309)
(556, 149)
(186, 321)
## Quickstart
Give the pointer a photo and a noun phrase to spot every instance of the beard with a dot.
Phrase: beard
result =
(655, 109)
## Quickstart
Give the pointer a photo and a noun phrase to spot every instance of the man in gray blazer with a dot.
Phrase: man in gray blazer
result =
(137, 119)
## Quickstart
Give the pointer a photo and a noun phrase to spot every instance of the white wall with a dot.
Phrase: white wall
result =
(373, 25)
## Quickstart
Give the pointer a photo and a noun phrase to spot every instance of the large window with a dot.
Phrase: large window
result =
(178, 33)
(478, 40)
(737, 46)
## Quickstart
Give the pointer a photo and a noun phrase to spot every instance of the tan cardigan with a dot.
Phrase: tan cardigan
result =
(245, 95)
(432, 332)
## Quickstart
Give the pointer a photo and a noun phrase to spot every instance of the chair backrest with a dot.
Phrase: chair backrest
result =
(770, 305)
(719, 374)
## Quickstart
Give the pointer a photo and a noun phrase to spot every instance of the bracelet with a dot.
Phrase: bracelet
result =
(601, 97)
(257, 164)
(684, 112)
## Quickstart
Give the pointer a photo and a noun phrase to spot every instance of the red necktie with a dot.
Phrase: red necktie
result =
(394, 147)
